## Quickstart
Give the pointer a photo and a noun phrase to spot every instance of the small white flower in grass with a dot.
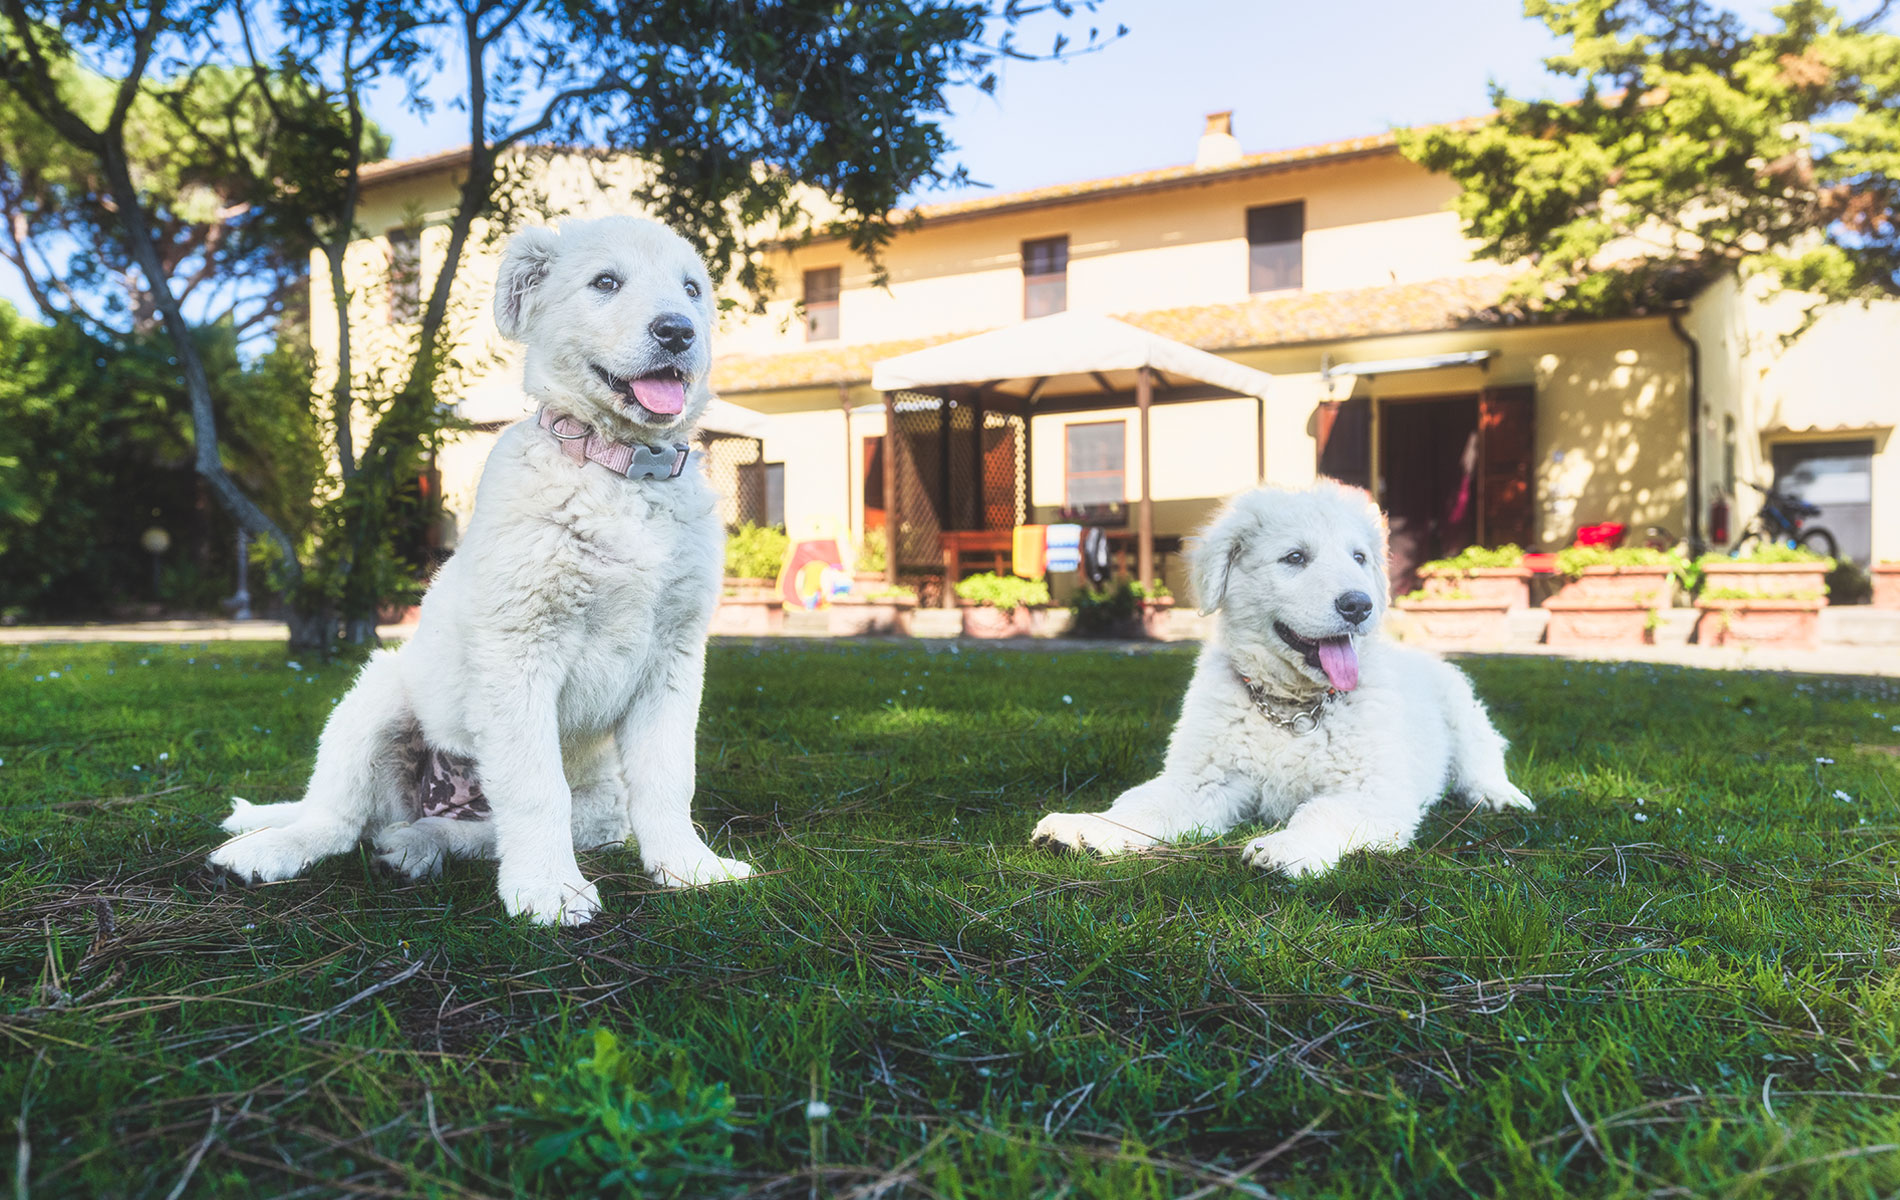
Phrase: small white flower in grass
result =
(1068, 699)
(1642, 816)
(136, 767)
(52, 674)
(164, 755)
(817, 1110)
(1841, 795)
(1826, 762)
(145, 662)
(294, 666)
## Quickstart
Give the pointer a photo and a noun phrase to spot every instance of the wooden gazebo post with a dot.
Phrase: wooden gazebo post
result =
(1145, 518)
(892, 519)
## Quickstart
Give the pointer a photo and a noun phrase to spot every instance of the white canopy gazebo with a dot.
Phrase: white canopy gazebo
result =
(1062, 363)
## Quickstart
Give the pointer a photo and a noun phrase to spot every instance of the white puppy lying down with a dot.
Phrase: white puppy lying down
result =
(550, 694)
(1299, 711)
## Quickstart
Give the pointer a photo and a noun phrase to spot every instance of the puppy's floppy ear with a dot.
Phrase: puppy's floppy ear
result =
(529, 258)
(1211, 558)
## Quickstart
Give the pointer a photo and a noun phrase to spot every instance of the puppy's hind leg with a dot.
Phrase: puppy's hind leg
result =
(419, 849)
(1477, 750)
(352, 786)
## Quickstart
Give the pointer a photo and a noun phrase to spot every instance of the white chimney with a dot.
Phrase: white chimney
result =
(1218, 145)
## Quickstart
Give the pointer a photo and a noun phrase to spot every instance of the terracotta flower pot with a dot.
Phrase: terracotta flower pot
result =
(1647, 587)
(1157, 618)
(1802, 580)
(987, 621)
(746, 588)
(1457, 622)
(1579, 621)
(1886, 576)
(749, 617)
(1778, 622)
(1510, 586)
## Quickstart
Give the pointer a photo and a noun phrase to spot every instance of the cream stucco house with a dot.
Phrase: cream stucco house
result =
(1338, 269)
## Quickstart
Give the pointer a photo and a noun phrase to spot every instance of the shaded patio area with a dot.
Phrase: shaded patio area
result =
(957, 468)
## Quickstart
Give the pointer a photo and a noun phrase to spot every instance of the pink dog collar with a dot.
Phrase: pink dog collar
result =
(631, 459)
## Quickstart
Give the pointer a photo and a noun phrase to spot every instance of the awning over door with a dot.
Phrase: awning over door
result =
(1065, 354)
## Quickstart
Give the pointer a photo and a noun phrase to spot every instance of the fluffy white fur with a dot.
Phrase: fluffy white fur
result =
(562, 647)
(1380, 754)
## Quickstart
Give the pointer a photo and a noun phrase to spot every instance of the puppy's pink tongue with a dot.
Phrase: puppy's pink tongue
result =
(664, 396)
(1340, 661)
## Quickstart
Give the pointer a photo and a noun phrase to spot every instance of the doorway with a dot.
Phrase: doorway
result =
(1429, 464)
(1837, 477)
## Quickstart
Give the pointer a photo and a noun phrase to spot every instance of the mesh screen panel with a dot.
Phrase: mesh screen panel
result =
(736, 466)
(959, 467)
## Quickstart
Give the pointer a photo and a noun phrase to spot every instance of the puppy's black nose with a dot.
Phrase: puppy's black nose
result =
(673, 331)
(1354, 606)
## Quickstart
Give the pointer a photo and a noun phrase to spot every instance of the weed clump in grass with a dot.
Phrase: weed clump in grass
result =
(608, 1123)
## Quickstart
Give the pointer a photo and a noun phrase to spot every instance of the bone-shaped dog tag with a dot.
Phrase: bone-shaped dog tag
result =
(658, 462)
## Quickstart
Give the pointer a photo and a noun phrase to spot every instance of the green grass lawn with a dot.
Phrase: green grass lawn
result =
(1675, 978)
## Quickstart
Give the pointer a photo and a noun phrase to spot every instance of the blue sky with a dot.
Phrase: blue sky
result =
(1294, 73)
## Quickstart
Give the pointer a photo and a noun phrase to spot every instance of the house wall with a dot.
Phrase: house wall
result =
(1369, 222)
(1785, 371)
(1611, 432)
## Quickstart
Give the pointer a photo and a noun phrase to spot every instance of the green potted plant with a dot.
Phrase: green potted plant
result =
(997, 606)
(1772, 596)
(1463, 600)
(749, 602)
(868, 572)
(1481, 573)
(884, 609)
(754, 556)
(1610, 595)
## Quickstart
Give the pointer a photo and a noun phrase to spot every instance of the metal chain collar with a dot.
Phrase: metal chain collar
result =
(1300, 721)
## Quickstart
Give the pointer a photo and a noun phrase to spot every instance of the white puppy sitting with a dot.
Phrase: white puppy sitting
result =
(549, 697)
(1299, 711)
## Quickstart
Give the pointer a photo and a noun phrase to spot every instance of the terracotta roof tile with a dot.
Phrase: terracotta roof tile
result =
(812, 368)
(1259, 322)
(1378, 143)
(1328, 316)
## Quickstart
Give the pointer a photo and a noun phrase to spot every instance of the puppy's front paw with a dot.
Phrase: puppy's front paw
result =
(699, 872)
(265, 855)
(1294, 853)
(1088, 831)
(552, 901)
(1501, 795)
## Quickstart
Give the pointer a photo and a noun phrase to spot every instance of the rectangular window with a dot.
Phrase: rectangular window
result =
(1273, 246)
(1094, 483)
(775, 494)
(1045, 276)
(821, 304)
(405, 276)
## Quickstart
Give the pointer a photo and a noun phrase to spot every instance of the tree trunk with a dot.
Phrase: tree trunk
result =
(312, 633)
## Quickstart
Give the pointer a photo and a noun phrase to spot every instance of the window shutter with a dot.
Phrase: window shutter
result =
(1506, 457)
(1342, 434)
